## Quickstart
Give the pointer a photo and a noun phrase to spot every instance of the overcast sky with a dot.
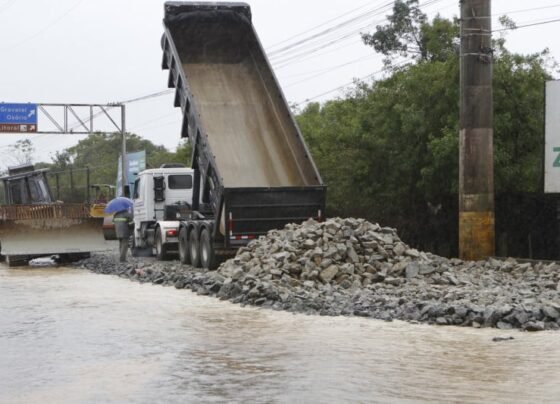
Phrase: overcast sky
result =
(79, 51)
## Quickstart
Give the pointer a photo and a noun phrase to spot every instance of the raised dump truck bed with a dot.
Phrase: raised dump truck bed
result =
(231, 98)
(245, 138)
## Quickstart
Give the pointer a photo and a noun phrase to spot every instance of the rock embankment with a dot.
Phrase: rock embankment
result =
(353, 267)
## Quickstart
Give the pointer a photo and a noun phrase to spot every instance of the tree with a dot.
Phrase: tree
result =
(22, 151)
(409, 34)
(389, 150)
(183, 154)
(98, 154)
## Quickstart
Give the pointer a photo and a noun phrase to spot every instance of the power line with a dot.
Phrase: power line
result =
(314, 55)
(367, 14)
(372, 74)
(148, 96)
(345, 24)
(318, 26)
(527, 25)
(305, 49)
(7, 5)
(151, 121)
(331, 69)
(321, 72)
(307, 52)
(348, 84)
(6, 146)
(309, 73)
(46, 27)
(129, 101)
(526, 9)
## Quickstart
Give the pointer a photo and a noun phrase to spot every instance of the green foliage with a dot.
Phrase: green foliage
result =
(409, 34)
(183, 154)
(22, 151)
(518, 121)
(389, 150)
(402, 34)
(440, 39)
(99, 153)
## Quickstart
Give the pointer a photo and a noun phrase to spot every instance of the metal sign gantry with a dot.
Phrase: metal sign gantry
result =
(84, 125)
(64, 119)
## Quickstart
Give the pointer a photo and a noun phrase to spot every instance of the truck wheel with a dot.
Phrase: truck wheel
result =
(161, 249)
(194, 248)
(207, 254)
(184, 247)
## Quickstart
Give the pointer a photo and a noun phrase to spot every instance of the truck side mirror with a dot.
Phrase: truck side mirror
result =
(159, 189)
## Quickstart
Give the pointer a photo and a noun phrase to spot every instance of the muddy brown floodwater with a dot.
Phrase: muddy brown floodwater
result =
(68, 335)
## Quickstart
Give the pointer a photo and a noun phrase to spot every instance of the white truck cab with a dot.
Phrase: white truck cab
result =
(162, 196)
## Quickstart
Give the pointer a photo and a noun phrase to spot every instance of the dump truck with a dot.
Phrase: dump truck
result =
(33, 224)
(252, 169)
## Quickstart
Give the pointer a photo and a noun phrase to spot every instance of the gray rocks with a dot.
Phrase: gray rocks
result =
(399, 249)
(353, 267)
(551, 312)
(426, 269)
(534, 326)
(412, 270)
(352, 255)
(412, 253)
(309, 244)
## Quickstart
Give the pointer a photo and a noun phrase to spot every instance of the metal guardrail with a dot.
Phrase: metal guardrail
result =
(47, 211)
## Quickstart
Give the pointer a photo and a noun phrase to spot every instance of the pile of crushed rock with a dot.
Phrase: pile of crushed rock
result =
(354, 267)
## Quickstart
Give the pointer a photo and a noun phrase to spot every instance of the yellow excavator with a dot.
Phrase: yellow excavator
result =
(33, 224)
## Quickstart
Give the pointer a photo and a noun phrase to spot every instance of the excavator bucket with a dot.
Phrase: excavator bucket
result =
(67, 230)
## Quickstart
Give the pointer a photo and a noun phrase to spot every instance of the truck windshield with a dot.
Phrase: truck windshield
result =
(179, 182)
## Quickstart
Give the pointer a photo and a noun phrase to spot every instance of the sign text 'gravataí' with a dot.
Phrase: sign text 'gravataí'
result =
(18, 118)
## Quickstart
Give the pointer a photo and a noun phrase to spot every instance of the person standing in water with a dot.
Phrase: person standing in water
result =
(123, 221)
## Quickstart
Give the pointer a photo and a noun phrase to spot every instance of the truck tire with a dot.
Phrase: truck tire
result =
(184, 247)
(194, 248)
(161, 249)
(207, 255)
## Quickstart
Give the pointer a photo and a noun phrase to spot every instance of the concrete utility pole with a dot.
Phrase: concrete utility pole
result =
(476, 165)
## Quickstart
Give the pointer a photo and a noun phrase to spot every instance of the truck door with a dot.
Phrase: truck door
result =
(139, 200)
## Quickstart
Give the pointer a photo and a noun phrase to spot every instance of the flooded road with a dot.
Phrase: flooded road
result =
(72, 336)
